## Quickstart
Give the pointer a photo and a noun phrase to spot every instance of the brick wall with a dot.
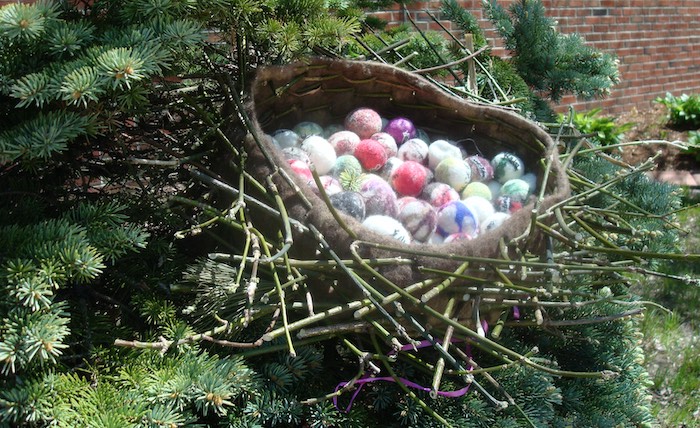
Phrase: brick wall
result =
(657, 42)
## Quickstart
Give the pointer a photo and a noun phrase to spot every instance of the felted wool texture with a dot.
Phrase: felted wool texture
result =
(307, 129)
(284, 138)
(326, 90)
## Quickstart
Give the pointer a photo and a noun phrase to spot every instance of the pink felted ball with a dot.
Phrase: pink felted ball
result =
(409, 178)
(387, 141)
(301, 169)
(364, 122)
(344, 142)
(414, 150)
(401, 128)
(438, 194)
(371, 154)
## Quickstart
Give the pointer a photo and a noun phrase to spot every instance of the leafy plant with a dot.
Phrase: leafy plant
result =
(683, 110)
(601, 129)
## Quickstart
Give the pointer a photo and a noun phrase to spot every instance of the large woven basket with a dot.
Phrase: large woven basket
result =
(325, 90)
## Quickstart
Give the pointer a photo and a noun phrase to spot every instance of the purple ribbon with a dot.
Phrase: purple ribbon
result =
(367, 379)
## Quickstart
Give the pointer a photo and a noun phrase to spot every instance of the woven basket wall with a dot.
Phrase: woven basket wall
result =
(325, 90)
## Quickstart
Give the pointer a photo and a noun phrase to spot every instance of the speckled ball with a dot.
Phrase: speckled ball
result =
(387, 141)
(307, 129)
(438, 194)
(379, 197)
(320, 153)
(284, 138)
(401, 128)
(455, 172)
(482, 170)
(351, 203)
(346, 164)
(439, 150)
(389, 168)
(506, 204)
(495, 220)
(418, 217)
(409, 178)
(371, 154)
(344, 142)
(414, 150)
(479, 206)
(387, 226)
(516, 189)
(456, 217)
(364, 122)
(477, 188)
(296, 153)
(507, 166)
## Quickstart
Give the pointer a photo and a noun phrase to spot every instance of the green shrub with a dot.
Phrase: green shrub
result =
(683, 111)
(600, 129)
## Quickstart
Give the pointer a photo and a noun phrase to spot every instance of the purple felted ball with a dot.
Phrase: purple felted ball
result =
(438, 194)
(371, 154)
(307, 129)
(364, 122)
(284, 138)
(380, 198)
(482, 170)
(344, 142)
(320, 152)
(495, 220)
(418, 217)
(351, 203)
(387, 226)
(387, 141)
(455, 172)
(409, 178)
(414, 150)
(401, 128)
(439, 150)
(507, 166)
(456, 217)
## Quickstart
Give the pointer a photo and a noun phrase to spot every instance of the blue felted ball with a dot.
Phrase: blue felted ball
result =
(456, 217)
(284, 138)
(387, 226)
(507, 166)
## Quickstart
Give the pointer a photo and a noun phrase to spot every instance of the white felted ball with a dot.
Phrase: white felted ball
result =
(455, 172)
(439, 150)
(414, 150)
(507, 166)
(307, 129)
(387, 226)
(531, 179)
(496, 219)
(320, 153)
(284, 138)
(480, 206)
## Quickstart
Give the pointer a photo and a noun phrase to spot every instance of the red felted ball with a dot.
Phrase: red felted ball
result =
(410, 178)
(371, 154)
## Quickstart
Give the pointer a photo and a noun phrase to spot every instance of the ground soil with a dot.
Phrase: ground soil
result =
(649, 125)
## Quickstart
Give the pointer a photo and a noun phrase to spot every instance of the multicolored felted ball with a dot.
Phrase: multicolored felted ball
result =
(414, 150)
(439, 150)
(331, 185)
(438, 194)
(344, 142)
(387, 141)
(346, 164)
(307, 129)
(401, 128)
(456, 217)
(284, 138)
(495, 220)
(462, 236)
(506, 204)
(296, 153)
(364, 122)
(418, 217)
(371, 154)
(321, 153)
(379, 197)
(301, 169)
(507, 166)
(387, 226)
(479, 206)
(351, 203)
(455, 172)
(389, 168)
(477, 188)
(482, 170)
(409, 178)
(516, 189)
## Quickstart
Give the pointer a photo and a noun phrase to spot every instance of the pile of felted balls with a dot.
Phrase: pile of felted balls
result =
(390, 176)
